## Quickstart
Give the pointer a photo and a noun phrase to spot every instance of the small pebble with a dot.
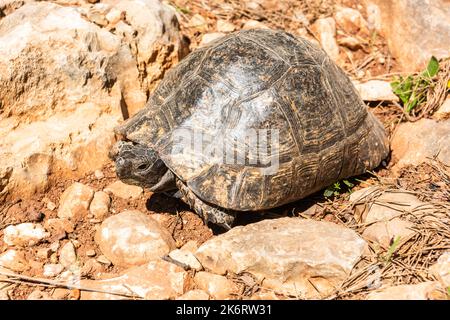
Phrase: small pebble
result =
(99, 174)
(51, 206)
(104, 260)
(90, 253)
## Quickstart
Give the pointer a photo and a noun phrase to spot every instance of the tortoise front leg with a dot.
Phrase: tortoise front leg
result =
(208, 212)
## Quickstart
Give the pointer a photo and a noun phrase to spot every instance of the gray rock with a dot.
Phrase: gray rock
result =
(132, 238)
(414, 142)
(75, 201)
(24, 234)
(414, 29)
(124, 191)
(288, 253)
(157, 280)
(100, 204)
(68, 255)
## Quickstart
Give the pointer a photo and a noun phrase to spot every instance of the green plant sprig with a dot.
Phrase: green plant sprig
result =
(412, 90)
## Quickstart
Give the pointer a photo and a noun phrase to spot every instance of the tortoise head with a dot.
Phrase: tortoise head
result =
(137, 164)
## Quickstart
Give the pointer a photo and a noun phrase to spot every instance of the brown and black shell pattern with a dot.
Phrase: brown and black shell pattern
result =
(253, 80)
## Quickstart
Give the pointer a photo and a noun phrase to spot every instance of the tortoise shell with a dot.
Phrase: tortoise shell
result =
(259, 81)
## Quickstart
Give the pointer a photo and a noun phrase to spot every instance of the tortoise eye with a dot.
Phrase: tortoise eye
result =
(143, 166)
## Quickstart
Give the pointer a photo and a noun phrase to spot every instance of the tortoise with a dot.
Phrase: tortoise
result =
(317, 128)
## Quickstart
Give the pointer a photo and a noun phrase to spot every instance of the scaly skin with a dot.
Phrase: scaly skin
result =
(207, 212)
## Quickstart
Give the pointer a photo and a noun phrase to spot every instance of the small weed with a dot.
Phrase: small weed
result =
(391, 250)
(180, 9)
(412, 90)
(337, 188)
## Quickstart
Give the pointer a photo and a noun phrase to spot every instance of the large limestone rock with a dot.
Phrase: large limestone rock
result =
(289, 253)
(158, 280)
(414, 142)
(382, 211)
(154, 37)
(132, 238)
(414, 29)
(65, 82)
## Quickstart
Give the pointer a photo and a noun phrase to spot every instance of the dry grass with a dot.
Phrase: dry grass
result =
(407, 260)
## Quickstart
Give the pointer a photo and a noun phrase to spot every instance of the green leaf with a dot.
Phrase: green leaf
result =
(392, 248)
(412, 104)
(432, 68)
(328, 193)
(348, 183)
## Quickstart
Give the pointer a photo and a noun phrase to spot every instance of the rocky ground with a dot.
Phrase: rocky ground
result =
(71, 70)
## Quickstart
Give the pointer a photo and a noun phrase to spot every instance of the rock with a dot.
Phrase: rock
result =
(51, 205)
(3, 294)
(13, 260)
(385, 232)
(124, 191)
(99, 174)
(90, 253)
(375, 90)
(60, 294)
(350, 42)
(444, 110)
(190, 246)
(421, 291)
(43, 253)
(225, 26)
(253, 24)
(156, 280)
(155, 38)
(39, 295)
(67, 255)
(93, 268)
(114, 16)
(75, 201)
(264, 295)
(381, 209)
(207, 38)
(24, 234)
(59, 227)
(162, 219)
(194, 295)
(414, 142)
(104, 260)
(62, 98)
(54, 246)
(414, 29)
(441, 269)
(187, 258)
(373, 204)
(198, 21)
(373, 16)
(52, 270)
(288, 253)
(350, 21)
(133, 238)
(325, 31)
(218, 287)
(100, 204)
